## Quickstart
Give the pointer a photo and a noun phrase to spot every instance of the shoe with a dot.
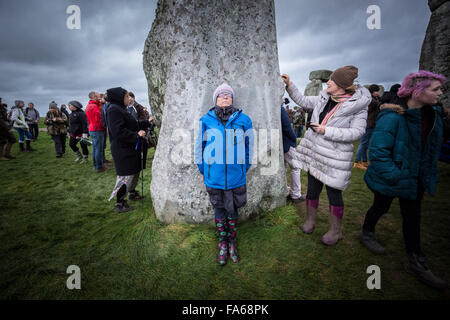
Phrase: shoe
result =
(231, 237)
(334, 234)
(107, 161)
(359, 165)
(221, 226)
(368, 240)
(59, 155)
(135, 196)
(85, 159)
(28, 146)
(2, 158)
(21, 148)
(7, 151)
(416, 265)
(102, 169)
(79, 156)
(297, 200)
(311, 212)
(122, 206)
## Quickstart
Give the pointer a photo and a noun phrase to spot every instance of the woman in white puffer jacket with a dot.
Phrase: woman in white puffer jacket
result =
(339, 116)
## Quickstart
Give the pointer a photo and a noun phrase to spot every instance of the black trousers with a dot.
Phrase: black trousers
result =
(60, 143)
(315, 188)
(34, 130)
(410, 210)
(73, 145)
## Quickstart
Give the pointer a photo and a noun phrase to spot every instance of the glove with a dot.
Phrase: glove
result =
(85, 135)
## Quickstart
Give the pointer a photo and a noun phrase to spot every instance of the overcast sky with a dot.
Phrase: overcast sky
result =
(42, 60)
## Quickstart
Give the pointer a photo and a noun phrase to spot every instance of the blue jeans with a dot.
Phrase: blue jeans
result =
(98, 139)
(22, 133)
(298, 131)
(361, 154)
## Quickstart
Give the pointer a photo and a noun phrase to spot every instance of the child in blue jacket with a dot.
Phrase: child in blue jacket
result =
(223, 157)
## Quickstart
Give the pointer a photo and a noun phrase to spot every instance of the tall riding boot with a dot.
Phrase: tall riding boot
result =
(28, 146)
(232, 242)
(7, 150)
(3, 153)
(21, 148)
(311, 212)
(416, 265)
(335, 233)
(223, 245)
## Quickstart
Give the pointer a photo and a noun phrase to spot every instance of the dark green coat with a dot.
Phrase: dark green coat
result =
(397, 162)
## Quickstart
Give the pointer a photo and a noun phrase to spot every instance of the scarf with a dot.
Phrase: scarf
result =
(224, 114)
(340, 101)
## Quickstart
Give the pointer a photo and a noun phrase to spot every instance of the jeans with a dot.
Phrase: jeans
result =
(98, 139)
(361, 154)
(34, 129)
(299, 131)
(22, 133)
(60, 143)
(410, 210)
(295, 190)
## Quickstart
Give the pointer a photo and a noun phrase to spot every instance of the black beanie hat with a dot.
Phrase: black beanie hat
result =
(76, 104)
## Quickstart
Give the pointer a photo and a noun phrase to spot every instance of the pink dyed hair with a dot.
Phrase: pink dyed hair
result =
(416, 82)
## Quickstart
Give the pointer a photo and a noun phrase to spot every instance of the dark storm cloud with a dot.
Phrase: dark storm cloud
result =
(41, 60)
(329, 34)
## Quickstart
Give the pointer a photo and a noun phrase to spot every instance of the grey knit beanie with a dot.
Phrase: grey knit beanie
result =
(53, 105)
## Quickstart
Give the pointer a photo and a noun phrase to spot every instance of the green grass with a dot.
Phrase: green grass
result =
(55, 213)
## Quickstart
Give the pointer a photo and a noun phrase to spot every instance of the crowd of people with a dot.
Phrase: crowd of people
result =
(402, 131)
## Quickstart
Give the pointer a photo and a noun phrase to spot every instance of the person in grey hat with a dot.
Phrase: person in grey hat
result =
(20, 125)
(56, 122)
(78, 128)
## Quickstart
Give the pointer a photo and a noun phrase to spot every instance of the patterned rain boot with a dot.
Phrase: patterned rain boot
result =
(223, 245)
(335, 233)
(311, 212)
(232, 243)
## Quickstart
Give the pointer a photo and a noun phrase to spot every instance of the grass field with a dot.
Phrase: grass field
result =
(54, 213)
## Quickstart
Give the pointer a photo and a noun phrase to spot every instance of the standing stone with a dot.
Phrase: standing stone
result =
(313, 88)
(192, 48)
(322, 75)
(435, 55)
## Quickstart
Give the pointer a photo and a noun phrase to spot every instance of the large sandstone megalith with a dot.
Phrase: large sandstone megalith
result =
(435, 55)
(193, 47)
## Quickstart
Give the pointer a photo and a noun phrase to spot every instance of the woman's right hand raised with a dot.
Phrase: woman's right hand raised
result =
(286, 79)
(141, 133)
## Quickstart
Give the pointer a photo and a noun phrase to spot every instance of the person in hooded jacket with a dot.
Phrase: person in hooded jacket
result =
(403, 154)
(339, 117)
(20, 125)
(224, 128)
(126, 136)
(57, 123)
(78, 128)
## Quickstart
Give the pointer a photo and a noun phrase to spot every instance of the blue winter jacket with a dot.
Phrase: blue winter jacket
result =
(397, 163)
(223, 153)
(289, 137)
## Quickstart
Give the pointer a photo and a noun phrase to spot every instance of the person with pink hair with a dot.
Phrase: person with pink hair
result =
(403, 153)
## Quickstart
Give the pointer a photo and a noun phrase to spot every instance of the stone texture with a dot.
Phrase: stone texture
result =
(313, 88)
(323, 75)
(193, 47)
(435, 55)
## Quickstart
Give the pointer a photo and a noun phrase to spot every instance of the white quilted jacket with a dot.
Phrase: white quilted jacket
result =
(329, 157)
